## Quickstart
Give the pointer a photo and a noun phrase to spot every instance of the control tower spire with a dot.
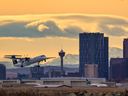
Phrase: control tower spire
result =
(62, 54)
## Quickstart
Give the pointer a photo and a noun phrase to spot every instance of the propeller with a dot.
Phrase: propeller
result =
(13, 56)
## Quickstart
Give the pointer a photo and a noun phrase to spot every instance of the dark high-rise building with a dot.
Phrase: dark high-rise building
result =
(93, 50)
(2, 72)
(125, 48)
(118, 69)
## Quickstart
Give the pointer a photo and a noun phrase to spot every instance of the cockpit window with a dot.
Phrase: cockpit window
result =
(42, 56)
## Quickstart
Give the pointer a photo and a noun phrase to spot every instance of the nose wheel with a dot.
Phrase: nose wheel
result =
(21, 66)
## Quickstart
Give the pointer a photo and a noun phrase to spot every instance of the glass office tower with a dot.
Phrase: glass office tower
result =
(93, 49)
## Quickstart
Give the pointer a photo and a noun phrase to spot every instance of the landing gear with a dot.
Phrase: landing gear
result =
(38, 64)
(21, 66)
(38, 71)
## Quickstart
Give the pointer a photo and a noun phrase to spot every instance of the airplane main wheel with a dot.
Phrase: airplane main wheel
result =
(22, 66)
(38, 65)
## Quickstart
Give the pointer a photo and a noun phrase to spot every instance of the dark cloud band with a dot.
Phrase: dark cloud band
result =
(18, 28)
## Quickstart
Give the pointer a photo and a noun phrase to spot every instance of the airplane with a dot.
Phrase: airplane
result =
(19, 61)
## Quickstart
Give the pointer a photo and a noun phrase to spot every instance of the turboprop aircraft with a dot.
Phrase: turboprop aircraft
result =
(20, 61)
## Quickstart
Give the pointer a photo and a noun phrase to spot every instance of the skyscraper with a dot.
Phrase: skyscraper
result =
(2, 72)
(93, 50)
(125, 48)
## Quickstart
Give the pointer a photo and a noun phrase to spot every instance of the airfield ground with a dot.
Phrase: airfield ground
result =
(93, 91)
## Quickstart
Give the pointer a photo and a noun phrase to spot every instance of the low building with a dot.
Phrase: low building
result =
(71, 81)
(11, 75)
(2, 72)
(91, 70)
(37, 72)
(118, 69)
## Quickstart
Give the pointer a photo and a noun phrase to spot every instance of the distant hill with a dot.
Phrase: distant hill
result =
(7, 64)
(115, 52)
(74, 59)
(68, 59)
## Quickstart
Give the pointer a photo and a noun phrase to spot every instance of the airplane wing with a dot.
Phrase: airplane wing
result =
(50, 57)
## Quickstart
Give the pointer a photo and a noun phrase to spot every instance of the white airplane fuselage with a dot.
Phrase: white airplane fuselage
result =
(30, 61)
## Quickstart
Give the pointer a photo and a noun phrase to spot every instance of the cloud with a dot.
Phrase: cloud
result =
(73, 30)
(103, 23)
(54, 30)
(42, 27)
(114, 31)
(18, 29)
(61, 25)
(46, 29)
(96, 18)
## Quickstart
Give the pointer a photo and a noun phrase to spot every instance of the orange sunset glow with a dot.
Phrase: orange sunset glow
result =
(34, 27)
(112, 7)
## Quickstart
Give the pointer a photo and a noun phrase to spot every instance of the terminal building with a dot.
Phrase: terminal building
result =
(71, 81)
(36, 72)
(54, 82)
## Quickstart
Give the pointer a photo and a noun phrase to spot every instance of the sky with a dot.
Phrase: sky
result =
(35, 27)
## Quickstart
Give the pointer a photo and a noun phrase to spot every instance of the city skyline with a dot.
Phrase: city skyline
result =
(32, 28)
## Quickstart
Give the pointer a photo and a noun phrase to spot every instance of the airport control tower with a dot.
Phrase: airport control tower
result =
(62, 54)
